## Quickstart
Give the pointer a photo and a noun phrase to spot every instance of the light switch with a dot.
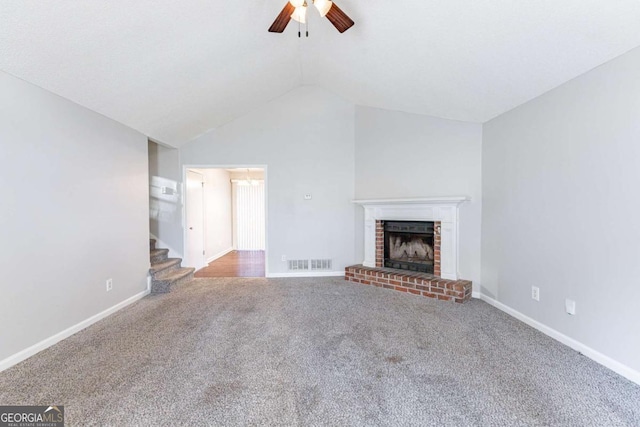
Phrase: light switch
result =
(307, 196)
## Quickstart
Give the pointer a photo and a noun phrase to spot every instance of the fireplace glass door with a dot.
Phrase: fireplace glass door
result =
(408, 245)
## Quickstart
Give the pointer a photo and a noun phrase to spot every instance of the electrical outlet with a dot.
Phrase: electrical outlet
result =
(109, 284)
(535, 293)
(284, 258)
(570, 306)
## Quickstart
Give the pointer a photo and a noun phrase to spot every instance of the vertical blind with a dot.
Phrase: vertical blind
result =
(250, 216)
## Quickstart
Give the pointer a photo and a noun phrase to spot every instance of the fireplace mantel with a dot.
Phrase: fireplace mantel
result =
(442, 209)
(456, 200)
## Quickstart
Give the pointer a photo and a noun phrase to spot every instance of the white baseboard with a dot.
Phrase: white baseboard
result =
(219, 255)
(48, 342)
(308, 274)
(624, 370)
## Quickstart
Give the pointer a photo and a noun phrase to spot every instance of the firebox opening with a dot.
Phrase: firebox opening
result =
(409, 245)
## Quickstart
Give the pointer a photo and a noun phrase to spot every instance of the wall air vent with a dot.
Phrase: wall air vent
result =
(320, 264)
(298, 264)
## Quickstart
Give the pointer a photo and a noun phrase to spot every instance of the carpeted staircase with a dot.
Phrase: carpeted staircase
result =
(166, 272)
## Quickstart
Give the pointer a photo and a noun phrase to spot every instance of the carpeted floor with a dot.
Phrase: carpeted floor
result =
(317, 352)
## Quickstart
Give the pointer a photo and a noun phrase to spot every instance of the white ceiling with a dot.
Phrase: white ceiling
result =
(174, 70)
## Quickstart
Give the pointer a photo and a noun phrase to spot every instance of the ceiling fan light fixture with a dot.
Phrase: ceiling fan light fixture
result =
(323, 6)
(296, 3)
(300, 14)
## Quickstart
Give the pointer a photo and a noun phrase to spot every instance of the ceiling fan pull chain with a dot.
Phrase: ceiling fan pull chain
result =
(299, 30)
(307, 27)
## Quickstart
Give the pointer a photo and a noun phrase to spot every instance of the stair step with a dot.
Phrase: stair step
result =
(152, 244)
(164, 281)
(165, 266)
(158, 255)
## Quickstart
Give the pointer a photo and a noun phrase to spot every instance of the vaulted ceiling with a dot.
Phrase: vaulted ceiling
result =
(175, 69)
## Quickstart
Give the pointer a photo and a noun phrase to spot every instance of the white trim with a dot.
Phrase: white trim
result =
(219, 255)
(48, 342)
(308, 274)
(624, 370)
(415, 200)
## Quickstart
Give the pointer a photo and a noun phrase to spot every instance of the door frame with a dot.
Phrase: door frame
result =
(185, 168)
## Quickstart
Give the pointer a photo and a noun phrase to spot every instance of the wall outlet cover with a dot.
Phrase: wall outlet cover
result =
(535, 293)
(570, 306)
(109, 284)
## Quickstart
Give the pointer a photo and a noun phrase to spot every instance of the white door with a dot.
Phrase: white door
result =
(194, 205)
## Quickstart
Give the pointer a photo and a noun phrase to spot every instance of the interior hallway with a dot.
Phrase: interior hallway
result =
(235, 264)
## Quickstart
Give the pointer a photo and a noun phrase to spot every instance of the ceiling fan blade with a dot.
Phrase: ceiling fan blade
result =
(339, 19)
(283, 19)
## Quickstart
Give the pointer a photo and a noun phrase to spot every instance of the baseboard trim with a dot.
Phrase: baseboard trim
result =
(48, 342)
(308, 274)
(219, 255)
(624, 370)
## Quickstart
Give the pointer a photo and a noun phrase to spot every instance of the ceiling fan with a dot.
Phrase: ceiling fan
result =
(297, 10)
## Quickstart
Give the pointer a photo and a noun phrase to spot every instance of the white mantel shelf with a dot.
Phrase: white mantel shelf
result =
(441, 209)
(457, 200)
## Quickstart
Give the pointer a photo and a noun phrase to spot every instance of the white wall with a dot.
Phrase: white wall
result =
(401, 155)
(560, 208)
(217, 207)
(165, 210)
(306, 140)
(74, 212)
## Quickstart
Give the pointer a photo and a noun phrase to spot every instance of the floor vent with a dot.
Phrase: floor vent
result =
(298, 264)
(320, 264)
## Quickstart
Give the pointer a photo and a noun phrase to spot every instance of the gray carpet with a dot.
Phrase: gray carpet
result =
(317, 352)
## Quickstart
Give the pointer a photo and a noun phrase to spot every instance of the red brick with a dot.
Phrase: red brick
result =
(401, 289)
(414, 291)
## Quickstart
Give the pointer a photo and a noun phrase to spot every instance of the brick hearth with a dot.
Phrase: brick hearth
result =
(423, 284)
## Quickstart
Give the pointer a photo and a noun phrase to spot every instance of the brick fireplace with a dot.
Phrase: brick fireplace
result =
(426, 264)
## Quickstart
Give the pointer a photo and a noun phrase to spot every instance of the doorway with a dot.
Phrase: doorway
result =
(234, 221)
